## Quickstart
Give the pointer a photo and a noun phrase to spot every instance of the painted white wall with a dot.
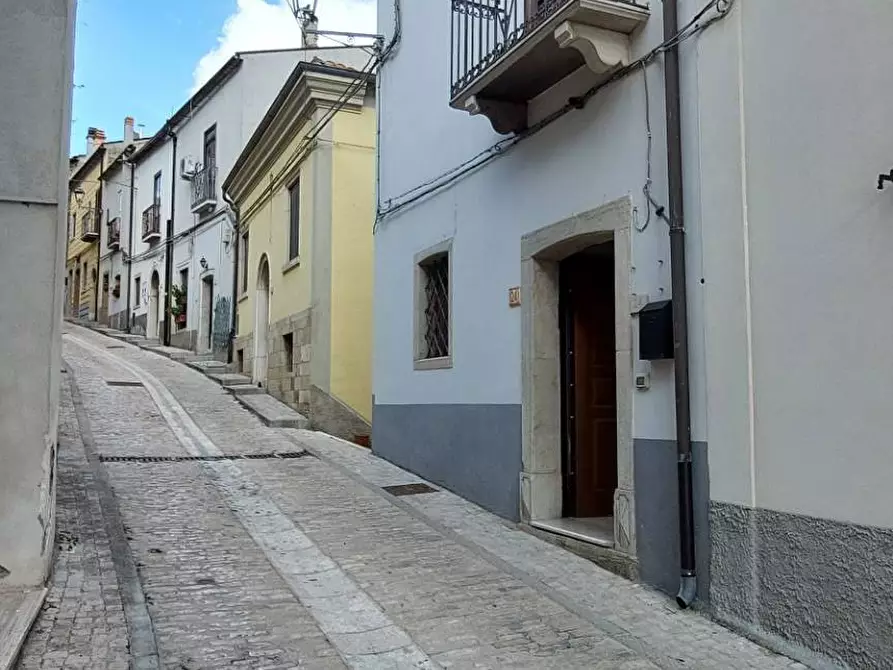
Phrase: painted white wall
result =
(236, 108)
(581, 161)
(115, 203)
(148, 257)
(795, 114)
(36, 78)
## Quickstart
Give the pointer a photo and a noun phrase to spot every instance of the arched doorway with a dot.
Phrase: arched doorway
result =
(152, 318)
(261, 322)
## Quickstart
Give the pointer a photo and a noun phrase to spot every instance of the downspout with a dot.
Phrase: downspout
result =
(688, 585)
(130, 247)
(169, 244)
(237, 242)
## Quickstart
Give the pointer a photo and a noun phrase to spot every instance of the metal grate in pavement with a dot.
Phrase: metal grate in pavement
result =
(122, 382)
(187, 459)
(409, 489)
(114, 346)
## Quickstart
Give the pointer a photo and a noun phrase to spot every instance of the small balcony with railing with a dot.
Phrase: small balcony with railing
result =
(89, 227)
(114, 233)
(505, 53)
(204, 189)
(152, 223)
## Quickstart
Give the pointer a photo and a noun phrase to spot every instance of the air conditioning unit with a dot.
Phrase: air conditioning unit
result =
(188, 167)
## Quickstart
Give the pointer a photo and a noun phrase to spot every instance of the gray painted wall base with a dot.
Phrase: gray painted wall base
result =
(820, 584)
(657, 515)
(474, 450)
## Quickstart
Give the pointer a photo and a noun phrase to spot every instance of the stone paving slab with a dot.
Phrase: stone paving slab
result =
(469, 589)
(229, 378)
(81, 623)
(207, 366)
(245, 389)
(18, 610)
(272, 412)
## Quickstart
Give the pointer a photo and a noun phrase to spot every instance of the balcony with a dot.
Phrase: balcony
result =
(114, 230)
(90, 227)
(152, 223)
(204, 189)
(507, 52)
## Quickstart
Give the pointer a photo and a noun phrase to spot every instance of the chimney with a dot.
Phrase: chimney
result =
(91, 140)
(128, 130)
(99, 138)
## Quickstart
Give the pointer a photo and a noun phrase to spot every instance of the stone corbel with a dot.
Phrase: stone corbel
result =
(505, 117)
(603, 50)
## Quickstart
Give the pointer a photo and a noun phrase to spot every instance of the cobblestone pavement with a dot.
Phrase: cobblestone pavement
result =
(306, 562)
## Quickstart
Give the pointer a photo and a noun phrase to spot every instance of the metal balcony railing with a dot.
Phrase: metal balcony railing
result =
(89, 226)
(204, 188)
(485, 30)
(151, 222)
(114, 230)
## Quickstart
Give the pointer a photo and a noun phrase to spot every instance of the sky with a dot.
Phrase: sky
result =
(145, 59)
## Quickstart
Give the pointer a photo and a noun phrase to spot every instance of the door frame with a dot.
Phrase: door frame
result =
(262, 306)
(541, 436)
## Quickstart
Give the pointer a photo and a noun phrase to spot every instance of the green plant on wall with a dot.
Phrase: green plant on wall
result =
(178, 300)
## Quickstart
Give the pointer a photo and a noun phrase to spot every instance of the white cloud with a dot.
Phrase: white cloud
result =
(258, 24)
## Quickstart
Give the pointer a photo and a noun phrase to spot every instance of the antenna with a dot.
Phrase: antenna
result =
(309, 22)
(307, 19)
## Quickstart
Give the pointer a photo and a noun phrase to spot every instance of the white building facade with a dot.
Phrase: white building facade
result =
(522, 356)
(189, 158)
(118, 195)
(33, 212)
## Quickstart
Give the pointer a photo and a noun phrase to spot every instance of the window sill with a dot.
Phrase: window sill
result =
(433, 363)
(292, 264)
(243, 296)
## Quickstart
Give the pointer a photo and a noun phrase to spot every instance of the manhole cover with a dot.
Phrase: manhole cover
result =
(409, 489)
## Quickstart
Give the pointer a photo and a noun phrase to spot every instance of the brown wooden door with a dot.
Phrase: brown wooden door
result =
(591, 383)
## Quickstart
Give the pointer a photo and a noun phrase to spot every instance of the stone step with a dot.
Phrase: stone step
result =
(207, 366)
(229, 378)
(245, 389)
(18, 609)
(272, 412)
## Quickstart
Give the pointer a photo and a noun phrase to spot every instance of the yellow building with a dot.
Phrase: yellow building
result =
(304, 191)
(85, 217)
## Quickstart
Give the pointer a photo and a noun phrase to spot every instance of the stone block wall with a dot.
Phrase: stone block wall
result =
(243, 347)
(335, 418)
(184, 339)
(288, 371)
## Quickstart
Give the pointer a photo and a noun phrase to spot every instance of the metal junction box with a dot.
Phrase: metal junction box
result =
(656, 331)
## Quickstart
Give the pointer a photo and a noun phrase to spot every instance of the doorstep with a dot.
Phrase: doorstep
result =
(18, 610)
(595, 530)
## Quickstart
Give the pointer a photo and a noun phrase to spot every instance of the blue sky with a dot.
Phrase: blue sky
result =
(144, 59)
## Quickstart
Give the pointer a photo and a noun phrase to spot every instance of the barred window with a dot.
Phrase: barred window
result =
(433, 337)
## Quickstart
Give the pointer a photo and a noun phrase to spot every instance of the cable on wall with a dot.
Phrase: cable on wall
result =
(431, 186)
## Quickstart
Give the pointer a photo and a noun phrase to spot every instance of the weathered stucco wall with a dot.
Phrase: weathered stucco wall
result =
(35, 75)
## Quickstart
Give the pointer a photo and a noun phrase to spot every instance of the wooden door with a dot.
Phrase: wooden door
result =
(590, 393)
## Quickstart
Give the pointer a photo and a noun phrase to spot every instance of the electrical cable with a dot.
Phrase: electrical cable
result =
(407, 198)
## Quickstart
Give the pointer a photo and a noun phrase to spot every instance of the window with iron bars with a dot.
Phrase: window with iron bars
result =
(435, 318)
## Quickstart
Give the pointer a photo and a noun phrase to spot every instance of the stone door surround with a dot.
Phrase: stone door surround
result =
(541, 252)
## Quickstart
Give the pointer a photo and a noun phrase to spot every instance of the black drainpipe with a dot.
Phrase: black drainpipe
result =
(169, 245)
(130, 248)
(688, 586)
(237, 241)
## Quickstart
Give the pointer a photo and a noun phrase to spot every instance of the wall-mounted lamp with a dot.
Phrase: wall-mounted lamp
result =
(78, 195)
(203, 263)
(881, 178)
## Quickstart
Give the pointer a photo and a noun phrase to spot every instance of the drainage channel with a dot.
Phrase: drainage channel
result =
(187, 459)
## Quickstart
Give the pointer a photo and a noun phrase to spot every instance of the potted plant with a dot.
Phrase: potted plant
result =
(178, 303)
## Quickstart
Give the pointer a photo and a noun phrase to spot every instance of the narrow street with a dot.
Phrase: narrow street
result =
(189, 536)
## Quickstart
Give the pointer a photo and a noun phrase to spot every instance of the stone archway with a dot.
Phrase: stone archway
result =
(152, 316)
(261, 322)
(541, 252)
